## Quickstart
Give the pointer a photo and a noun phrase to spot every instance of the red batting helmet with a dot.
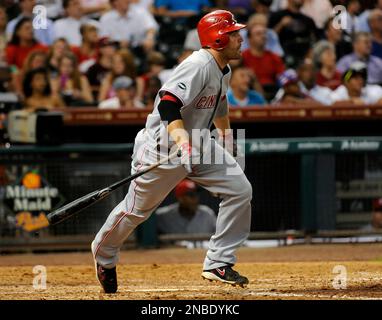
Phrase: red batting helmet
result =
(184, 187)
(214, 26)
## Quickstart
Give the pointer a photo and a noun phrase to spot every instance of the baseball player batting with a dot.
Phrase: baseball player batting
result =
(193, 98)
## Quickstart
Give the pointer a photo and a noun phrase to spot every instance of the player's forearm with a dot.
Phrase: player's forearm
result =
(177, 132)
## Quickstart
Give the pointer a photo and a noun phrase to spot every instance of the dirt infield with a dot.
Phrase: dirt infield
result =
(296, 272)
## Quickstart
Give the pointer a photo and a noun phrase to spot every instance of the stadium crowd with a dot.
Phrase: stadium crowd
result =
(118, 53)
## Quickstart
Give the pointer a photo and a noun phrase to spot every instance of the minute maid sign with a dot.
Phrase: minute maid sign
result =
(31, 198)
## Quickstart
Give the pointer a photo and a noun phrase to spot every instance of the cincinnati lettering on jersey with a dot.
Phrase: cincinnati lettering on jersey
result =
(207, 102)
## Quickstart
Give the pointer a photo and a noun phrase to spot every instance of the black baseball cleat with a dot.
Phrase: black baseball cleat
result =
(107, 278)
(226, 275)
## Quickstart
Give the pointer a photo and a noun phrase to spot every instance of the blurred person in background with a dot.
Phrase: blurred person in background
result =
(376, 217)
(87, 53)
(98, 71)
(22, 44)
(262, 6)
(362, 46)
(145, 4)
(237, 7)
(273, 42)
(240, 93)
(69, 27)
(290, 91)
(353, 8)
(324, 59)
(44, 35)
(318, 10)
(187, 215)
(3, 36)
(338, 38)
(53, 8)
(122, 65)
(35, 60)
(307, 76)
(355, 88)
(130, 25)
(59, 47)
(266, 65)
(181, 9)
(296, 31)
(95, 8)
(192, 41)
(154, 86)
(156, 63)
(74, 87)
(124, 88)
(375, 22)
(363, 22)
(165, 74)
(37, 92)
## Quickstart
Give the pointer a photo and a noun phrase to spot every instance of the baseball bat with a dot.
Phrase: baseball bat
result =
(91, 198)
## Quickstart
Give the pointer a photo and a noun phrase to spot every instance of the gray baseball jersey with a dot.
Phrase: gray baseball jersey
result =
(201, 86)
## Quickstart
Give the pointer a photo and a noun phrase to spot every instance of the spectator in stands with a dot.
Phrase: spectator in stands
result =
(138, 25)
(37, 91)
(3, 36)
(69, 27)
(375, 22)
(59, 47)
(376, 218)
(355, 88)
(74, 87)
(187, 215)
(35, 60)
(363, 23)
(308, 83)
(44, 34)
(338, 38)
(122, 65)
(318, 10)
(53, 8)
(98, 71)
(192, 41)
(124, 88)
(145, 4)
(296, 31)
(154, 86)
(240, 93)
(22, 43)
(290, 91)
(87, 53)
(266, 65)
(181, 9)
(237, 7)
(262, 6)
(155, 64)
(95, 8)
(165, 74)
(353, 8)
(273, 43)
(362, 46)
(324, 59)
